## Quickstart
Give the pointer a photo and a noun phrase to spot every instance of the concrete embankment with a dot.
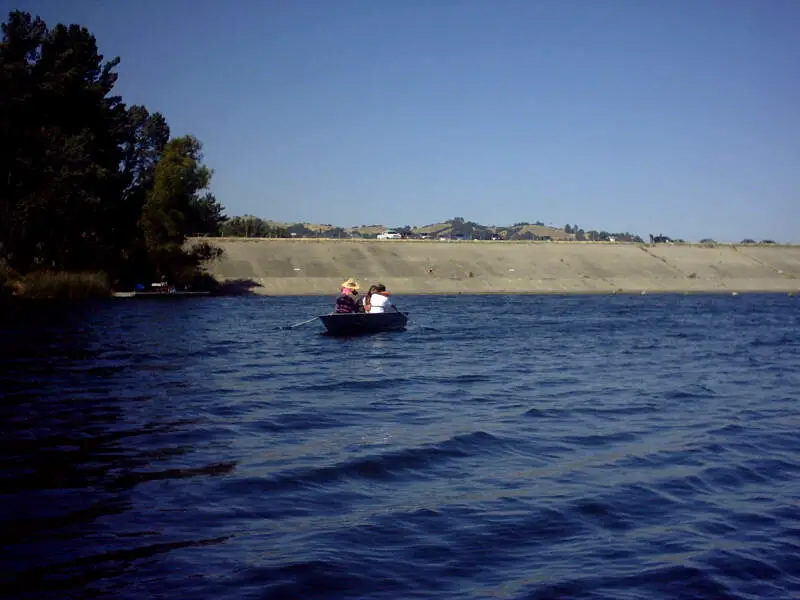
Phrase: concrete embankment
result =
(312, 267)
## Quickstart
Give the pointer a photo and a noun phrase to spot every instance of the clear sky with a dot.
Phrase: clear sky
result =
(679, 117)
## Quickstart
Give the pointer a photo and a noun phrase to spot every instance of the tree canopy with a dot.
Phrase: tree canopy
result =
(87, 182)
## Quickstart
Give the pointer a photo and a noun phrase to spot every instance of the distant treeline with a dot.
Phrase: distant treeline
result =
(88, 183)
(249, 226)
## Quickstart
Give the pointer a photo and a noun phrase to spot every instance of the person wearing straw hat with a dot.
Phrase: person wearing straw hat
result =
(347, 301)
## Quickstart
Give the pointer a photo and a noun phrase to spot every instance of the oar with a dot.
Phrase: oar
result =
(298, 324)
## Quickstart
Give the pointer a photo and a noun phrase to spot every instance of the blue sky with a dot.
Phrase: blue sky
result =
(679, 117)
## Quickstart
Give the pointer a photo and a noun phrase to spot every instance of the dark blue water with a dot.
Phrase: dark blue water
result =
(502, 447)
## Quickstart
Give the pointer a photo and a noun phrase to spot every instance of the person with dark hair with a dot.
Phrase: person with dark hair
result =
(379, 301)
(363, 304)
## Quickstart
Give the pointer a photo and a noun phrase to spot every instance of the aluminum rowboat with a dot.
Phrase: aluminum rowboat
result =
(356, 323)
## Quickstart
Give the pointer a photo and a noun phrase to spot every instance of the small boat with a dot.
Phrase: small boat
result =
(356, 323)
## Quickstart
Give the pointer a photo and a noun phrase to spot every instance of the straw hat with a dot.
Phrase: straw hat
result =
(350, 283)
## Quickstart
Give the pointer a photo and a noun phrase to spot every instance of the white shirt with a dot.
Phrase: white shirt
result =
(379, 303)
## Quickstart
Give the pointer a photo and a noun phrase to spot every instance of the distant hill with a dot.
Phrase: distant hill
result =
(250, 226)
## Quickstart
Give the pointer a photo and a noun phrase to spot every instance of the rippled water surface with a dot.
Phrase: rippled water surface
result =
(501, 447)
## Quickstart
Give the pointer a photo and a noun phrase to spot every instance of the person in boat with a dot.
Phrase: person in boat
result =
(379, 301)
(363, 304)
(347, 300)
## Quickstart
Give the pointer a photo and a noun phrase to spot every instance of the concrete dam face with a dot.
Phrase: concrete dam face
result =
(317, 267)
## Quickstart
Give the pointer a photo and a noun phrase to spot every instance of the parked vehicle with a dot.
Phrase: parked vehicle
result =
(390, 235)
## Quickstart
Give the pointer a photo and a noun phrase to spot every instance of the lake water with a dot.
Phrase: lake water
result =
(636, 447)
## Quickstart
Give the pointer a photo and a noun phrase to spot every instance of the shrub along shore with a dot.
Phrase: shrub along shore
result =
(54, 284)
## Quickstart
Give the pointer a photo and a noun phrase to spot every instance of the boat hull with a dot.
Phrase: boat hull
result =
(358, 323)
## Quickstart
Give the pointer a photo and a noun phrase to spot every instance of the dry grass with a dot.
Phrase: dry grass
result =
(59, 284)
(8, 280)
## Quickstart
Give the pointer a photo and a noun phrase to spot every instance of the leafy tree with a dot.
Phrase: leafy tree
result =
(250, 226)
(300, 230)
(61, 165)
(206, 215)
(145, 136)
(254, 227)
(178, 179)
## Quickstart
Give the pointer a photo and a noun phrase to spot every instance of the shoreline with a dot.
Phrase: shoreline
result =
(695, 292)
(314, 267)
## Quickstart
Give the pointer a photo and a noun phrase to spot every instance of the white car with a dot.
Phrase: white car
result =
(389, 235)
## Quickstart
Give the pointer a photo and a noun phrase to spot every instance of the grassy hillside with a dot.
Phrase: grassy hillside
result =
(448, 229)
(470, 229)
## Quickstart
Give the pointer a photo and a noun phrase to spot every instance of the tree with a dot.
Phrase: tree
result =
(206, 215)
(20, 148)
(59, 164)
(144, 137)
(179, 177)
(250, 226)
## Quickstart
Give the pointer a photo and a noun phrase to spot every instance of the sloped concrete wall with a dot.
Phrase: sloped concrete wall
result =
(288, 267)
